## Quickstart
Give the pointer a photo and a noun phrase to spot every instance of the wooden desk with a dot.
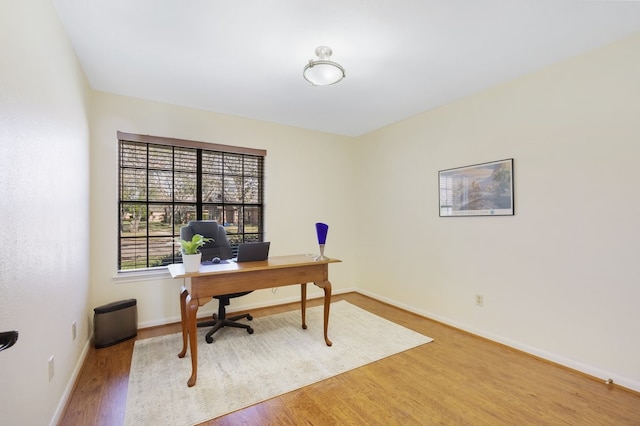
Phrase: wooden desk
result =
(219, 279)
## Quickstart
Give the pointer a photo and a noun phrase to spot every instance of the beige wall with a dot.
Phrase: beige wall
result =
(44, 211)
(308, 179)
(560, 278)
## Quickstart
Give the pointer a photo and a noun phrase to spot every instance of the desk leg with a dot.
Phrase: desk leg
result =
(192, 310)
(183, 320)
(326, 286)
(303, 303)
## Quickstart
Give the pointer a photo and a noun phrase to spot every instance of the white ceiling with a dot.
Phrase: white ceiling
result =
(402, 57)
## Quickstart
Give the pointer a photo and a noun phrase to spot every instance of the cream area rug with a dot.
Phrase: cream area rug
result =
(240, 369)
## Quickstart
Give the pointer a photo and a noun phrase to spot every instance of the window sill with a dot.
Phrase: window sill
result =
(151, 274)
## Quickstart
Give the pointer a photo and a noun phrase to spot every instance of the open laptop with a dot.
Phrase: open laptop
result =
(251, 252)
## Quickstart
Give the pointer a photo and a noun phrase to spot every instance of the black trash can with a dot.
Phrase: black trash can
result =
(115, 322)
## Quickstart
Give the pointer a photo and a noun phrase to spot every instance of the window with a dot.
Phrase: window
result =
(164, 183)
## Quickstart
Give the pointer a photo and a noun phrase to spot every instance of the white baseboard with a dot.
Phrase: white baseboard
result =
(557, 359)
(70, 384)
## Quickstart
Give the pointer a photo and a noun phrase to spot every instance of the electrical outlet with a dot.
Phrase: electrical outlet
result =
(479, 300)
(73, 330)
(51, 370)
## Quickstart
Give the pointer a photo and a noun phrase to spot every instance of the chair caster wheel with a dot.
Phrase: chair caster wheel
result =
(209, 339)
(249, 317)
(250, 330)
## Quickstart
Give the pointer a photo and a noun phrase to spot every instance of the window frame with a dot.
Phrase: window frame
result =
(219, 209)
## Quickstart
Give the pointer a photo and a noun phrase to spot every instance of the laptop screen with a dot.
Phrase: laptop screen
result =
(252, 252)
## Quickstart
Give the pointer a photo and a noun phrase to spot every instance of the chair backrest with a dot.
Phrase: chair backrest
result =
(219, 247)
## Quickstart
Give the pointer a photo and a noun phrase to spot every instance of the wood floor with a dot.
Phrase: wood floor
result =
(458, 379)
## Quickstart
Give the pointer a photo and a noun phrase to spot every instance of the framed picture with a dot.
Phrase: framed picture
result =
(480, 190)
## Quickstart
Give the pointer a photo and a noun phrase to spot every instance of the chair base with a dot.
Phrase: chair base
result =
(219, 321)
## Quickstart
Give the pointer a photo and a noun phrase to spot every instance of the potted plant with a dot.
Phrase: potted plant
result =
(190, 250)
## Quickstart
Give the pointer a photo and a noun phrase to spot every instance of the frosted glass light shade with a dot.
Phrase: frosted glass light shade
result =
(323, 72)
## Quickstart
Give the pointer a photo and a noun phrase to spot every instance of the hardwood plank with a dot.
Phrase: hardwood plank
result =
(458, 379)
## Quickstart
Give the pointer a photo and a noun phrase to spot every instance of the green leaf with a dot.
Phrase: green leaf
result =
(193, 246)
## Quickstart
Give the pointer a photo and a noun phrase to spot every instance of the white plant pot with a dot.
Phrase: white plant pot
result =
(191, 262)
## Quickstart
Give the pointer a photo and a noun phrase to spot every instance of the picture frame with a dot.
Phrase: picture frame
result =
(484, 189)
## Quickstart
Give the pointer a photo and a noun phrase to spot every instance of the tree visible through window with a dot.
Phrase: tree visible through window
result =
(164, 183)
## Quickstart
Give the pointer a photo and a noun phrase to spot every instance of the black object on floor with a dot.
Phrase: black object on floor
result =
(115, 322)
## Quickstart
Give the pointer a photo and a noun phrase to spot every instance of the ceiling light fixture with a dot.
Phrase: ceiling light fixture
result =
(323, 72)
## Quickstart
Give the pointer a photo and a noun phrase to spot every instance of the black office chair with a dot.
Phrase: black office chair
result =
(220, 248)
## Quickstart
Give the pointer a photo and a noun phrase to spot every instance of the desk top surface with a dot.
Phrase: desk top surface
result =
(177, 269)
